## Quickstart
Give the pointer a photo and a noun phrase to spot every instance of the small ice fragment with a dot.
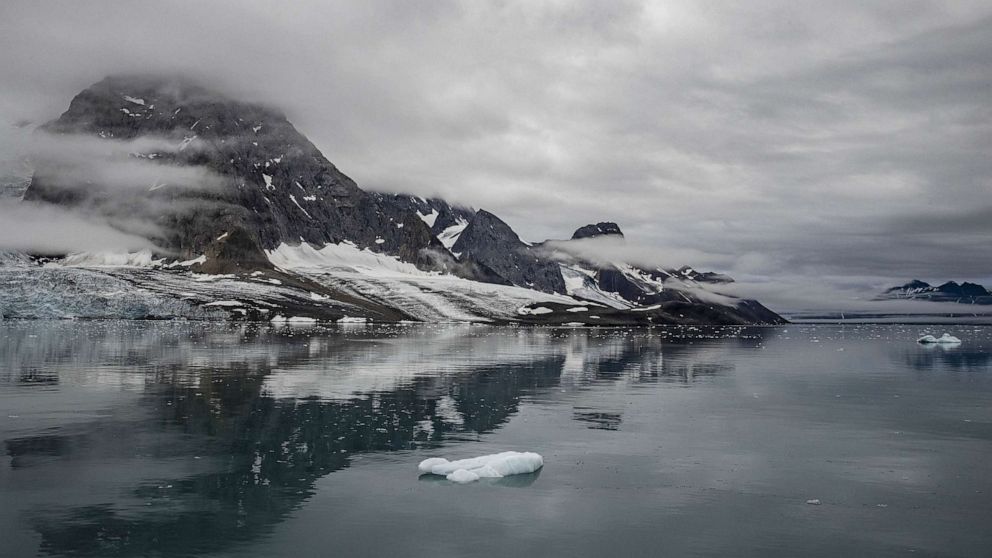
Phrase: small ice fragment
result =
(462, 476)
(427, 464)
(813, 502)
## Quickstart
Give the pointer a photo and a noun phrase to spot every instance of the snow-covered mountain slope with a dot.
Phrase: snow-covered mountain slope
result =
(425, 296)
(327, 284)
(333, 283)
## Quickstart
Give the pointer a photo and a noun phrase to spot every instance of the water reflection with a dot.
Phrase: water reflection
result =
(191, 437)
(929, 357)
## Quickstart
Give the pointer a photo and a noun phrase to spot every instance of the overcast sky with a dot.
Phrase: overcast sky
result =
(836, 145)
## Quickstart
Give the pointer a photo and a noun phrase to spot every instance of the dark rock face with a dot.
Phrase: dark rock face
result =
(612, 280)
(234, 252)
(270, 181)
(599, 229)
(435, 212)
(492, 243)
(964, 289)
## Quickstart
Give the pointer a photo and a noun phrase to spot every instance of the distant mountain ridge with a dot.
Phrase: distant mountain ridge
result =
(950, 291)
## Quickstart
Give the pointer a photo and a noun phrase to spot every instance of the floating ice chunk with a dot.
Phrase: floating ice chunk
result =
(945, 339)
(302, 320)
(813, 501)
(578, 309)
(496, 465)
(352, 320)
(427, 464)
(463, 476)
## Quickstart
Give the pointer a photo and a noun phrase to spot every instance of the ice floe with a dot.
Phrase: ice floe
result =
(945, 339)
(496, 465)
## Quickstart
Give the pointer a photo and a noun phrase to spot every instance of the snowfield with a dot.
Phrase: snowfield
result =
(335, 283)
(134, 285)
(425, 296)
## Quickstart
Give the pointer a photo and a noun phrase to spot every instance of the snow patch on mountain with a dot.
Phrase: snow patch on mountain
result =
(428, 218)
(580, 283)
(449, 236)
(344, 256)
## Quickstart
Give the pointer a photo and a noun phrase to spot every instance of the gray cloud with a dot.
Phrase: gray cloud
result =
(134, 166)
(841, 144)
(45, 229)
(121, 191)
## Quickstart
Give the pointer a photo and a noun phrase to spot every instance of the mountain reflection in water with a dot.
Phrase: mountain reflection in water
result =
(187, 438)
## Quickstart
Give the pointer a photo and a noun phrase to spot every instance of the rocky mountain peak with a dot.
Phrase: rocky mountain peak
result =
(606, 228)
(490, 241)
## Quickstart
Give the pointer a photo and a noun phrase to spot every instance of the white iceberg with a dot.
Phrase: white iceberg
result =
(945, 339)
(496, 465)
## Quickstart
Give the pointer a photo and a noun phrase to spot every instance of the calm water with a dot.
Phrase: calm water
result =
(172, 439)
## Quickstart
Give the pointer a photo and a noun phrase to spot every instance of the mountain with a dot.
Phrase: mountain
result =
(599, 229)
(251, 221)
(272, 185)
(950, 291)
(490, 241)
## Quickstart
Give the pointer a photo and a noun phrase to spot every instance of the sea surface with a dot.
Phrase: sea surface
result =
(185, 438)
